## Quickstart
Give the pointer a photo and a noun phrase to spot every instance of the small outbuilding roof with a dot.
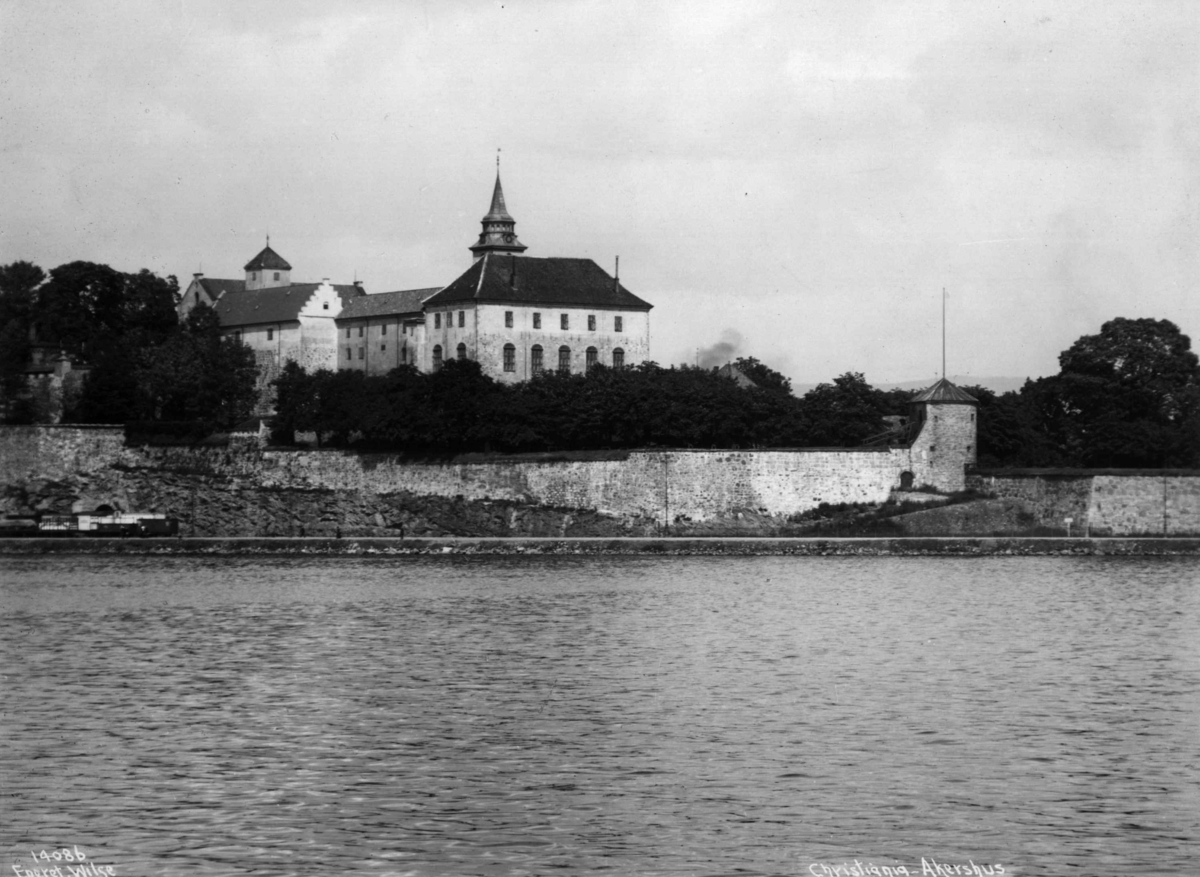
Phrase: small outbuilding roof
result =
(501, 277)
(945, 392)
(378, 304)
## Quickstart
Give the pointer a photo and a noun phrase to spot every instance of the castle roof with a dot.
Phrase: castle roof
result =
(216, 287)
(535, 281)
(276, 304)
(377, 304)
(268, 260)
(945, 392)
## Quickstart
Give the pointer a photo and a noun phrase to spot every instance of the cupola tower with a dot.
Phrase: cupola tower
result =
(499, 233)
(268, 269)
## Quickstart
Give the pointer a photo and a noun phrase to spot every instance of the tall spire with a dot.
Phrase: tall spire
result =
(499, 234)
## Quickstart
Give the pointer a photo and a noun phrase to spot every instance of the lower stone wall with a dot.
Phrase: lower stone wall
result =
(65, 469)
(1103, 503)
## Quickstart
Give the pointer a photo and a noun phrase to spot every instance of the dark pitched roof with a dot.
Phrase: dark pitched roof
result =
(404, 301)
(278, 304)
(530, 280)
(215, 287)
(945, 392)
(267, 260)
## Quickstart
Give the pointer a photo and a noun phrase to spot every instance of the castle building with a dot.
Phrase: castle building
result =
(515, 315)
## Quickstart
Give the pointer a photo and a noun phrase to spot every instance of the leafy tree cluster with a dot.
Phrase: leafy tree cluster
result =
(460, 409)
(1127, 397)
(143, 363)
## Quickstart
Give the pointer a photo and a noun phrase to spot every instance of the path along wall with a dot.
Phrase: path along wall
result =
(665, 486)
(1108, 502)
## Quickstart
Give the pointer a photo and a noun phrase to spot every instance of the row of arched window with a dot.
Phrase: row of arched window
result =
(537, 362)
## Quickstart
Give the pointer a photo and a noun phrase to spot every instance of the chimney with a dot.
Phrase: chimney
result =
(358, 284)
(197, 275)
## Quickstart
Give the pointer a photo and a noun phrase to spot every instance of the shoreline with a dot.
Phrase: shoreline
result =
(915, 546)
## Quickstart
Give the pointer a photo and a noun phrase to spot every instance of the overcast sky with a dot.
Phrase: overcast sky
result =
(804, 176)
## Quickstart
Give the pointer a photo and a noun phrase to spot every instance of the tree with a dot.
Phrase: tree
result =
(844, 413)
(19, 282)
(1128, 396)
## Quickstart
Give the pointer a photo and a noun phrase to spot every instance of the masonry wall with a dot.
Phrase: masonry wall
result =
(663, 486)
(1104, 503)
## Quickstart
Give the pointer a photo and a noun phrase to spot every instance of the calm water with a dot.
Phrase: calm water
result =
(501, 716)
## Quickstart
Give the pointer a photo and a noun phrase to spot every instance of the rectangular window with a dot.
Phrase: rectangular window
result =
(276, 275)
(404, 354)
(383, 347)
(437, 321)
(383, 329)
(591, 322)
(347, 331)
(619, 324)
(360, 353)
(349, 355)
(535, 359)
(270, 334)
(537, 321)
(510, 358)
(508, 319)
(462, 319)
(565, 321)
(360, 328)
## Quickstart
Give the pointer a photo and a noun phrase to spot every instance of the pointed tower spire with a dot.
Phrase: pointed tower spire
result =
(499, 234)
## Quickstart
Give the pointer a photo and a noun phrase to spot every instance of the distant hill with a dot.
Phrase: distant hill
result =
(995, 384)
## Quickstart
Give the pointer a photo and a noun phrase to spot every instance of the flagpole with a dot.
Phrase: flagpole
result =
(943, 333)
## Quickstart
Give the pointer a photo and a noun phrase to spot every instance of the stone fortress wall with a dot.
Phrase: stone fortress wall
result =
(1103, 502)
(659, 486)
(276, 491)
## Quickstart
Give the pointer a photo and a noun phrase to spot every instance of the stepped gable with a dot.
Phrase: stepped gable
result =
(276, 304)
(539, 281)
(944, 392)
(268, 260)
(377, 304)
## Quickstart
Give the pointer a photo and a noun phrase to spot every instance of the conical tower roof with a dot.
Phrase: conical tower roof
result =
(498, 212)
(945, 393)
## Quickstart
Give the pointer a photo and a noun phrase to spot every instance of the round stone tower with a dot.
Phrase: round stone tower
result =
(946, 445)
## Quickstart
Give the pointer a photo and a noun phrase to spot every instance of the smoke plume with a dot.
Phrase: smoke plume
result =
(726, 350)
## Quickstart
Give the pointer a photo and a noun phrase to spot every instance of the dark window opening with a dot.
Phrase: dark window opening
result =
(510, 358)
(537, 321)
(564, 357)
(508, 319)
(565, 321)
(906, 480)
(462, 319)
(535, 358)
(591, 322)
(618, 358)
(592, 356)
(270, 334)
(461, 351)
(619, 324)
(437, 357)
